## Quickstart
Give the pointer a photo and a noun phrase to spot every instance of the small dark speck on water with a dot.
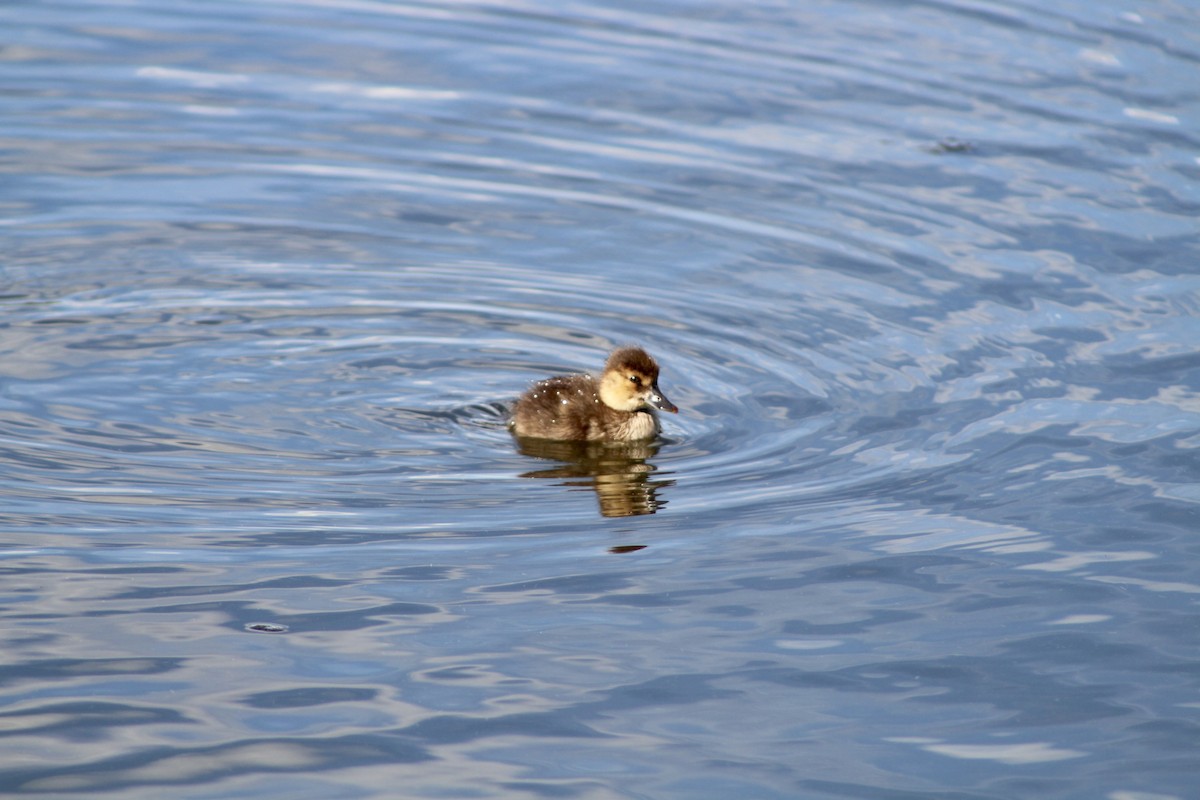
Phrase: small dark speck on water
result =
(951, 145)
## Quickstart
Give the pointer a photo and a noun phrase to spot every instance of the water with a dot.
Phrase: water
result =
(922, 279)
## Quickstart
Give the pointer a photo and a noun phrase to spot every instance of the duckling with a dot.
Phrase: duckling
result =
(618, 407)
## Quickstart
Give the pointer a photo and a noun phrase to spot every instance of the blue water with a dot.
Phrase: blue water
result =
(922, 277)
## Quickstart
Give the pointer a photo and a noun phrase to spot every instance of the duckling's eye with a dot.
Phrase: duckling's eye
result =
(636, 380)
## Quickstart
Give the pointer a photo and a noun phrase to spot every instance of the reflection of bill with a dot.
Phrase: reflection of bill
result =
(617, 471)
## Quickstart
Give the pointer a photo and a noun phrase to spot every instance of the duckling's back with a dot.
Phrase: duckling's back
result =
(564, 407)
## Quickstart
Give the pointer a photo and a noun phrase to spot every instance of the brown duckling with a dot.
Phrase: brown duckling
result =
(618, 407)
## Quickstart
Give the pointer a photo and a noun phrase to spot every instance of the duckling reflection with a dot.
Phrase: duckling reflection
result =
(617, 471)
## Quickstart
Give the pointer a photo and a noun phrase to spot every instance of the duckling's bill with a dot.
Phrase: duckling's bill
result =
(659, 400)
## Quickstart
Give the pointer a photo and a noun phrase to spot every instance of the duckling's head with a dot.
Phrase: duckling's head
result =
(630, 382)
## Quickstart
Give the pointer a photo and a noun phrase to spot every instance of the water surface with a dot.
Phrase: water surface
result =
(922, 280)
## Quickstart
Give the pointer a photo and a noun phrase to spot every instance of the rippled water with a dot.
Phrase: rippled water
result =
(922, 278)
